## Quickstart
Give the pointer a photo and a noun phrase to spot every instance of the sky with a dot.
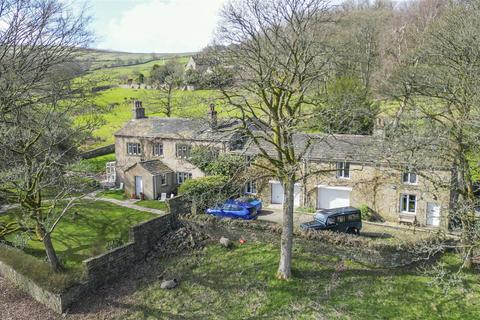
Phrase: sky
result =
(159, 26)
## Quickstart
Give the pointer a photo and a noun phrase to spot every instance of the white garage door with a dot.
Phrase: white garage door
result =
(278, 196)
(333, 197)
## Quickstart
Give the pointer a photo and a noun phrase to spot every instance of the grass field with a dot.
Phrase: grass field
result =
(105, 58)
(117, 75)
(95, 165)
(118, 111)
(218, 283)
(91, 228)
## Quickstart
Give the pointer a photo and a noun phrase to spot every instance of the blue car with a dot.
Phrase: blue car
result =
(242, 208)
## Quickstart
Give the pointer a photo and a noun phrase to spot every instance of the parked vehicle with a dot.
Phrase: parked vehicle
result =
(243, 208)
(346, 219)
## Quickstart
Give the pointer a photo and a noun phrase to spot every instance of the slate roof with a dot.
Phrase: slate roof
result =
(331, 147)
(154, 167)
(178, 128)
(363, 149)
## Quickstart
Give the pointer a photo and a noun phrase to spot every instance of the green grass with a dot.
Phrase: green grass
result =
(218, 283)
(91, 228)
(152, 204)
(112, 194)
(95, 165)
(43, 274)
(118, 112)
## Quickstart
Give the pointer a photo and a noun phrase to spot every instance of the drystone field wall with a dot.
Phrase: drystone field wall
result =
(99, 269)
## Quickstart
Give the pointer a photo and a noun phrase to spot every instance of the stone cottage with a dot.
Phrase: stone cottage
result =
(152, 153)
(341, 170)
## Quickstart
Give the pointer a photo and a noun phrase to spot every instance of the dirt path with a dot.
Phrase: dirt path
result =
(16, 305)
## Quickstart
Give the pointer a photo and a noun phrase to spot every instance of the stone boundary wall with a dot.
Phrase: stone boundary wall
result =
(98, 152)
(111, 264)
(100, 269)
(58, 302)
(179, 206)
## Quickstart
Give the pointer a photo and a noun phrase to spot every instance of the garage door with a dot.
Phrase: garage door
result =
(333, 197)
(278, 196)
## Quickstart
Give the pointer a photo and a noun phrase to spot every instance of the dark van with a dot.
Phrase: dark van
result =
(346, 219)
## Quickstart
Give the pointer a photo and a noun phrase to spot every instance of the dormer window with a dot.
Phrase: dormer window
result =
(134, 149)
(343, 170)
(409, 178)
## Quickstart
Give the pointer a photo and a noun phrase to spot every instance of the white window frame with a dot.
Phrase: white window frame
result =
(408, 198)
(251, 187)
(181, 177)
(182, 150)
(343, 170)
(158, 146)
(134, 149)
(408, 175)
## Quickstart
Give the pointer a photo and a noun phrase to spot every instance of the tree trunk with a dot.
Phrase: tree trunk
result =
(285, 266)
(49, 249)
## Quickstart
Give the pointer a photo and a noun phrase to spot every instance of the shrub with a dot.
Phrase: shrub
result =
(366, 212)
(208, 191)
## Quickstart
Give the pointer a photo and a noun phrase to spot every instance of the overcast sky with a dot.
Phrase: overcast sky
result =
(154, 25)
(162, 26)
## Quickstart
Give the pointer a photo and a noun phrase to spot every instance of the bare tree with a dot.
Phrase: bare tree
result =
(277, 48)
(439, 89)
(39, 43)
(167, 78)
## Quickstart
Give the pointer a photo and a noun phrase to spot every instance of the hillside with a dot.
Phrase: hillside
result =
(100, 59)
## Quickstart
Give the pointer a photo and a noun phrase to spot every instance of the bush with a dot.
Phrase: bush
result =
(366, 212)
(40, 271)
(208, 191)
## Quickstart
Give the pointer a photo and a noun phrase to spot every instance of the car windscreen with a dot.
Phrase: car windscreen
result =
(320, 217)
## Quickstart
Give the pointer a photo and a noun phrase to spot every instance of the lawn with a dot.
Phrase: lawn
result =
(217, 283)
(112, 194)
(152, 204)
(91, 228)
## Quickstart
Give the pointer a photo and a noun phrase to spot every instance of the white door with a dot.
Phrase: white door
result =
(433, 214)
(138, 185)
(278, 194)
(329, 198)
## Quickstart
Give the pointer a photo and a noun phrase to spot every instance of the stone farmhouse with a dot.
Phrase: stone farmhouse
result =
(152, 152)
(341, 170)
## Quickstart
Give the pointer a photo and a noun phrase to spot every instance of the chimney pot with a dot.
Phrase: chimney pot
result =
(138, 110)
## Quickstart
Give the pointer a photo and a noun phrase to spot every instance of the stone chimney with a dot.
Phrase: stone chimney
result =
(379, 127)
(138, 111)
(213, 116)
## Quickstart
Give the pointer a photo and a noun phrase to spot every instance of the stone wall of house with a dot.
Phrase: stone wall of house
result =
(124, 160)
(380, 188)
(98, 152)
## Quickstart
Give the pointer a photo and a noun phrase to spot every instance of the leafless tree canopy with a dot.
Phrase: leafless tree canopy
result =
(38, 38)
(39, 101)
